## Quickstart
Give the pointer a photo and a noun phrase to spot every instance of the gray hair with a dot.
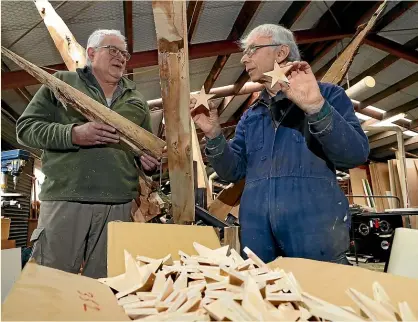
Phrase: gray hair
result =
(278, 34)
(96, 39)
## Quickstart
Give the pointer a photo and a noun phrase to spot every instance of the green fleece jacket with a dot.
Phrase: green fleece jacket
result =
(94, 174)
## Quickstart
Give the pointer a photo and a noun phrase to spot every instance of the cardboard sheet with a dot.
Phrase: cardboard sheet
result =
(330, 281)
(155, 241)
(46, 294)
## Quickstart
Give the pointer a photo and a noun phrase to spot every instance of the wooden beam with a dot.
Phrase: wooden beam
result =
(193, 12)
(384, 63)
(407, 81)
(150, 58)
(410, 144)
(129, 31)
(340, 67)
(404, 108)
(170, 23)
(392, 48)
(414, 124)
(133, 135)
(380, 136)
(14, 115)
(71, 51)
(21, 91)
(247, 12)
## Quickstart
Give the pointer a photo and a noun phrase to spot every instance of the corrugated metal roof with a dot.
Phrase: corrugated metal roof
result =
(215, 23)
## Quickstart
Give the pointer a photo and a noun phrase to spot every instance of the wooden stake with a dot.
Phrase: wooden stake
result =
(170, 23)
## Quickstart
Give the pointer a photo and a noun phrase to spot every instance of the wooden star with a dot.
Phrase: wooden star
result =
(202, 98)
(278, 74)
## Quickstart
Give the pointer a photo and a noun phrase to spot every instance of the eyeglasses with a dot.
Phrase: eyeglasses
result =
(115, 51)
(250, 50)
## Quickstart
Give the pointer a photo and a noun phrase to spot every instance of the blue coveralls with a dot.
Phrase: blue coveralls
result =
(292, 204)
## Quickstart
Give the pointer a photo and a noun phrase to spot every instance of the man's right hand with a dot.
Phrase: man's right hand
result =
(208, 121)
(93, 133)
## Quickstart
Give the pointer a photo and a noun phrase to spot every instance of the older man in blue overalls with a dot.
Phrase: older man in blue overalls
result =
(287, 146)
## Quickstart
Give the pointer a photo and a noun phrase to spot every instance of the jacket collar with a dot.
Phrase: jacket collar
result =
(266, 99)
(87, 75)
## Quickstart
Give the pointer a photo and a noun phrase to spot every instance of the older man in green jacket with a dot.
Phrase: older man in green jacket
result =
(90, 179)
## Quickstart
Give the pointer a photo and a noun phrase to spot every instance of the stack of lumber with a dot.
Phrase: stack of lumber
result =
(357, 177)
(394, 182)
(379, 173)
(213, 286)
(411, 185)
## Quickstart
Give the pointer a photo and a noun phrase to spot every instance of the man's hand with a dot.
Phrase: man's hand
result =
(208, 121)
(303, 89)
(92, 133)
(149, 163)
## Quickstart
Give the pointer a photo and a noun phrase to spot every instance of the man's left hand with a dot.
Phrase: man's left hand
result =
(149, 163)
(303, 89)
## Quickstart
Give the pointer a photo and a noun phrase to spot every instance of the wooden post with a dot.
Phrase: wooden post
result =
(173, 58)
(231, 238)
(71, 52)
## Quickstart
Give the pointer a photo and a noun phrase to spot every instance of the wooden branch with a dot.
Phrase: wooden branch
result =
(340, 67)
(170, 23)
(133, 135)
(70, 50)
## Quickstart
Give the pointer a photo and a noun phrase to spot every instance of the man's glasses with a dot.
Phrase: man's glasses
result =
(115, 51)
(250, 50)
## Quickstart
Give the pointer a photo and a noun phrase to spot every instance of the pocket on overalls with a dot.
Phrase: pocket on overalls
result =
(254, 133)
(36, 238)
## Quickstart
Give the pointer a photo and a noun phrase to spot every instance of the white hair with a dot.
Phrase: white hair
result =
(96, 39)
(279, 35)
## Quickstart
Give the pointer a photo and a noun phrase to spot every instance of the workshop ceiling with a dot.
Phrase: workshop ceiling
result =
(395, 39)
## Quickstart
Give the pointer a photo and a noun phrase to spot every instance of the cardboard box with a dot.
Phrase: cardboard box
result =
(5, 228)
(48, 294)
(153, 240)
